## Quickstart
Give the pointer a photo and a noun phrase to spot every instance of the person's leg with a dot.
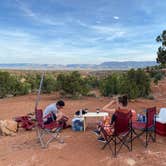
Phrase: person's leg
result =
(98, 128)
(101, 138)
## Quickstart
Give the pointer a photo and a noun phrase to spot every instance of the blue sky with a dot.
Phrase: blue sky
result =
(80, 31)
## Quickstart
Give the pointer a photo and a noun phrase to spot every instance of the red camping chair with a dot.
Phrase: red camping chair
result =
(122, 135)
(53, 129)
(148, 128)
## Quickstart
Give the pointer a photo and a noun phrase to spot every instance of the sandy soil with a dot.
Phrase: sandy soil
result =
(79, 148)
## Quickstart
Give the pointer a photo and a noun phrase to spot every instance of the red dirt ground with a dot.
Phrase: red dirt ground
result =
(79, 148)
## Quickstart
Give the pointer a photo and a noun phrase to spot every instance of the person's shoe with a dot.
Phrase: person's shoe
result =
(101, 139)
(97, 132)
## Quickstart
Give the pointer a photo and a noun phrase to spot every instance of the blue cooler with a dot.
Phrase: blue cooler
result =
(78, 124)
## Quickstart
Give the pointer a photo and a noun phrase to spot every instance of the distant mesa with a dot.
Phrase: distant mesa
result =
(114, 65)
(128, 64)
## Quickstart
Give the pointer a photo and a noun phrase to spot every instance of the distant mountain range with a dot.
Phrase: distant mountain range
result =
(114, 65)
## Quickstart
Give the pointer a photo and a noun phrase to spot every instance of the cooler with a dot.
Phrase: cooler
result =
(161, 128)
(161, 122)
(78, 124)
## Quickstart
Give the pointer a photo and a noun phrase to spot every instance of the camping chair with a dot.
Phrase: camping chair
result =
(148, 128)
(122, 135)
(53, 129)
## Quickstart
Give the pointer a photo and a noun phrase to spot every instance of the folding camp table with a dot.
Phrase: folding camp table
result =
(93, 115)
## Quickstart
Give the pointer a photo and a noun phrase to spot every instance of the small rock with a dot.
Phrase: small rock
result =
(131, 162)
(9, 95)
(132, 100)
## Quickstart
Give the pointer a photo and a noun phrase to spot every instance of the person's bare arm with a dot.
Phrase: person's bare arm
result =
(107, 107)
(59, 115)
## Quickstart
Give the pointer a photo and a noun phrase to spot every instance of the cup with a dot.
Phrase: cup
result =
(86, 110)
(97, 110)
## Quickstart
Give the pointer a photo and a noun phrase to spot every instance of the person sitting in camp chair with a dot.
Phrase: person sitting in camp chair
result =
(53, 113)
(121, 104)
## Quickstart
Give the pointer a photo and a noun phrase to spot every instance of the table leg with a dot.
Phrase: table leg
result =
(84, 123)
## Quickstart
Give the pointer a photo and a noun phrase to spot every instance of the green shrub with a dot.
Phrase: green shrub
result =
(33, 80)
(49, 84)
(12, 85)
(92, 82)
(108, 86)
(134, 83)
(4, 83)
(72, 84)
(24, 88)
(19, 87)
(140, 82)
(158, 76)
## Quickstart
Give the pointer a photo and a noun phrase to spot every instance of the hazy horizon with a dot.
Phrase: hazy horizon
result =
(76, 63)
(80, 32)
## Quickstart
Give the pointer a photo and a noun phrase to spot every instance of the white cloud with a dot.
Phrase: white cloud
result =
(27, 11)
(109, 33)
(108, 29)
(38, 17)
(116, 17)
(15, 34)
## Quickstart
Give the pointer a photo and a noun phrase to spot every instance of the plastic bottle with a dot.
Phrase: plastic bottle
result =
(138, 115)
(80, 112)
(86, 110)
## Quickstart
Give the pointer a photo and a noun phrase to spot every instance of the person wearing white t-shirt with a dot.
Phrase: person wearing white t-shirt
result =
(53, 112)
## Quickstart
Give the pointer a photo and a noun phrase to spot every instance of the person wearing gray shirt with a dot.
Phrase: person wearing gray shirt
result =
(53, 112)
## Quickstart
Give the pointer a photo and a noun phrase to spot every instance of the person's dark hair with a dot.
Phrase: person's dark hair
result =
(60, 103)
(123, 100)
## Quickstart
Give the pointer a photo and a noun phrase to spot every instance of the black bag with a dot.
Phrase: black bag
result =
(79, 112)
